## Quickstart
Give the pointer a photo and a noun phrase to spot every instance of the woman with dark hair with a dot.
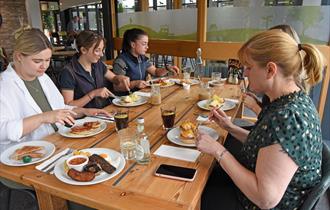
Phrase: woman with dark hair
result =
(132, 61)
(82, 81)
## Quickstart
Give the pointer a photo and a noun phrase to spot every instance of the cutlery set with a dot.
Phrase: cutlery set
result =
(49, 165)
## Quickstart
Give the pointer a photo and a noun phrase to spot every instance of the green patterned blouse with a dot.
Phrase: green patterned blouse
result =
(291, 121)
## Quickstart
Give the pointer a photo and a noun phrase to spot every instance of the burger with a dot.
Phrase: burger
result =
(187, 132)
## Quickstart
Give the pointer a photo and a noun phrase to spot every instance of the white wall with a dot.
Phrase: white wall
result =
(33, 13)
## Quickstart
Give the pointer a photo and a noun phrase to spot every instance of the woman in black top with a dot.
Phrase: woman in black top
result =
(82, 81)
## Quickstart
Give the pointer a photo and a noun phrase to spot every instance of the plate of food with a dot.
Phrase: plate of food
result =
(185, 134)
(163, 82)
(83, 128)
(130, 100)
(27, 153)
(89, 166)
(220, 82)
(186, 81)
(216, 102)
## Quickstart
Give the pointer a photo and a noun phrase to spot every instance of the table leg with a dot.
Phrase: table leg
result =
(47, 201)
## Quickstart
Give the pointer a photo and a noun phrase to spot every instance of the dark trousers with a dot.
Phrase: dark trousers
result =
(220, 192)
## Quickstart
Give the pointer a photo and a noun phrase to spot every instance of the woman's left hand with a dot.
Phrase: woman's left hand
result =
(93, 112)
(207, 144)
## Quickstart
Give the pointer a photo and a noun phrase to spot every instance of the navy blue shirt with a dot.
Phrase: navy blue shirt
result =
(133, 67)
(75, 77)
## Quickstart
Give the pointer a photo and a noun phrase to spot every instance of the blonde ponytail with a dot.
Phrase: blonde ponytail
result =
(313, 64)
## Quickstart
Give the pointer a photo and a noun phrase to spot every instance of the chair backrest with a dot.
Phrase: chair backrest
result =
(324, 92)
(324, 185)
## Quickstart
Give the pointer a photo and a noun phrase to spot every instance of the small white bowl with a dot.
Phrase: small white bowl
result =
(79, 166)
(186, 86)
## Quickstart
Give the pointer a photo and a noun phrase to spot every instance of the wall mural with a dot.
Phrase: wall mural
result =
(231, 24)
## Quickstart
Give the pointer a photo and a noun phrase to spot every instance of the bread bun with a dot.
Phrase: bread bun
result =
(187, 132)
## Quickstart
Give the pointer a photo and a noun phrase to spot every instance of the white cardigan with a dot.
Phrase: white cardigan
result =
(16, 103)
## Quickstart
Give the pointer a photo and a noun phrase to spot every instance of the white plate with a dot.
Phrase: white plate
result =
(228, 105)
(65, 131)
(174, 135)
(218, 83)
(193, 81)
(48, 150)
(119, 102)
(103, 176)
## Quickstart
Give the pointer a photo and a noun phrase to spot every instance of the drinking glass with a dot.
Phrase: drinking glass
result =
(155, 98)
(168, 116)
(216, 76)
(127, 138)
(186, 73)
(121, 119)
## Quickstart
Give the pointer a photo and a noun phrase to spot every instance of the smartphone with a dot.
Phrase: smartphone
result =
(176, 172)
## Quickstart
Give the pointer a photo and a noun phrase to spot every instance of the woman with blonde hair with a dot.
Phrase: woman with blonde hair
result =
(30, 103)
(280, 161)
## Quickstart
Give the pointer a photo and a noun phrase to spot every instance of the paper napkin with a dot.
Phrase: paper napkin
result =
(179, 153)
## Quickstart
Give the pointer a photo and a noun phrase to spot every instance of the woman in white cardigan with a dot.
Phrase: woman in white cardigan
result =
(30, 104)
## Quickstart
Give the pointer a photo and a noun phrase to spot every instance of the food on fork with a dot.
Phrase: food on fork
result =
(130, 98)
(187, 132)
(215, 102)
(32, 151)
(86, 128)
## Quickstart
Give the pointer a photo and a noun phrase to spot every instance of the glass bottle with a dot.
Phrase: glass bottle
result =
(143, 147)
(199, 64)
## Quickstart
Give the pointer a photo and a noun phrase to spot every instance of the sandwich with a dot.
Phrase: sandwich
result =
(187, 132)
(32, 151)
(215, 102)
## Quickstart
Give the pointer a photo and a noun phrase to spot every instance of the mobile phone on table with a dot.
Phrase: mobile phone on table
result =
(176, 172)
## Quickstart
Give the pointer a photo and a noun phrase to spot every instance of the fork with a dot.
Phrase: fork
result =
(50, 166)
(114, 96)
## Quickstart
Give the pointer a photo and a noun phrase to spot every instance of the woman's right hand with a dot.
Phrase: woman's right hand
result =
(220, 117)
(101, 92)
(140, 84)
(59, 116)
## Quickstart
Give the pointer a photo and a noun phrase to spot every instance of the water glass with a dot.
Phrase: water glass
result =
(216, 76)
(127, 138)
(155, 97)
(186, 73)
(168, 116)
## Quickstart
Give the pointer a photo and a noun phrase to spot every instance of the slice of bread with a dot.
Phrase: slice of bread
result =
(20, 153)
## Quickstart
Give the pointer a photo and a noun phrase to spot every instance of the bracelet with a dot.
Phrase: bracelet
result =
(220, 156)
(89, 97)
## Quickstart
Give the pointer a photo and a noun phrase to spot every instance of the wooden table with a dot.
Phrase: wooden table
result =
(135, 187)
